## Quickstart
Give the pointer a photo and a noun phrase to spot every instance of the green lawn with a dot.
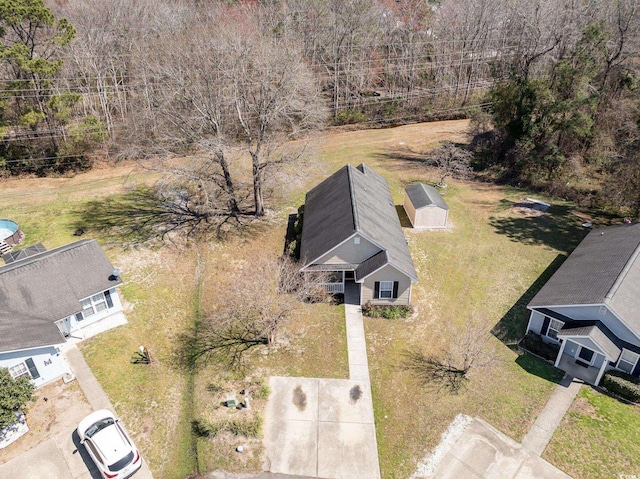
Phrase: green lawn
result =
(599, 437)
(486, 266)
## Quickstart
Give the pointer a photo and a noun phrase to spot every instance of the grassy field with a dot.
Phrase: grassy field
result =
(486, 266)
(598, 437)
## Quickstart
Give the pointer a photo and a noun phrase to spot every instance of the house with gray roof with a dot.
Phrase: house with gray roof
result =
(47, 297)
(591, 305)
(351, 233)
(425, 207)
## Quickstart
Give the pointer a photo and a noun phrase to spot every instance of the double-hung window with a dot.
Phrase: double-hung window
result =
(96, 303)
(18, 370)
(628, 360)
(554, 327)
(386, 289)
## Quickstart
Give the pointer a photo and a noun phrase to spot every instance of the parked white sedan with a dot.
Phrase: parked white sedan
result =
(109, 445)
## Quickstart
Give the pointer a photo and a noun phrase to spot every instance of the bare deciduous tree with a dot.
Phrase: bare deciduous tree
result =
(259, 299)
(468, 350)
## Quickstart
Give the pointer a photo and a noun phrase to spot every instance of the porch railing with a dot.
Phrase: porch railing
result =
(333, 288)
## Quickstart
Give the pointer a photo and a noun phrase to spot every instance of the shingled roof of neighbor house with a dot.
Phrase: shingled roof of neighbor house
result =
(603, 269)
(39, 290)
(422, 195)
(353, 200)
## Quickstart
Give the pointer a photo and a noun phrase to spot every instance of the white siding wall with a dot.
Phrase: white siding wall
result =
(350, 252)
(535, 322)
(74, 324)
(388, 273)
(48, 361)
(431, 217)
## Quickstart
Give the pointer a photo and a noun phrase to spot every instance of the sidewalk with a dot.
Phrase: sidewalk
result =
(549, 419)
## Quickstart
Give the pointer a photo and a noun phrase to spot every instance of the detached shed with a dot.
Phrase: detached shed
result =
(425, 207)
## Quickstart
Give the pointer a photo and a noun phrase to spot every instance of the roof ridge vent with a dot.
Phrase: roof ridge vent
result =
(354, 208)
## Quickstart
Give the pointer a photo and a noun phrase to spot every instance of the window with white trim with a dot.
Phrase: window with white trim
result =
(554, 328)
(386, 289)
(628, 360)
(93, 305)
(18, 370)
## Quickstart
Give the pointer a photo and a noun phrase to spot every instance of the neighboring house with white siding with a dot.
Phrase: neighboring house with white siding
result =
(48, 296)
(591, 305)
(351, 232)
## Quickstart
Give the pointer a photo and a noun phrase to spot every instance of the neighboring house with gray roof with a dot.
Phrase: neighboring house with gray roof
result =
(425, 207)
(352, 233)
(591, 305)
(48, 296)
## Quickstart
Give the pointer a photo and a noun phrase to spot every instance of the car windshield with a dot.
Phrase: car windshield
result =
(99, 426)
(122, 463)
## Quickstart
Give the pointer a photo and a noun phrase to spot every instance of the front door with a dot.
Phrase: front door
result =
(64, 326)
(586, 355)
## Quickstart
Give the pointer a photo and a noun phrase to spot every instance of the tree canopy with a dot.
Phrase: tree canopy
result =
(14, 395)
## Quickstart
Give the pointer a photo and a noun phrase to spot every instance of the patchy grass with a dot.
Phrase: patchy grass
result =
(487, 265)
(152, 399)
(598, 437)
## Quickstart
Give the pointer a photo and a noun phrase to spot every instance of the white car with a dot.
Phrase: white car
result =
(109, 445)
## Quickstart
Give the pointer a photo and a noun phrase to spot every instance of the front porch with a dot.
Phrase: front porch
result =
(575, 368)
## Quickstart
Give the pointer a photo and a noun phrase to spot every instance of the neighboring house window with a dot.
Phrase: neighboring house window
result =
(627, 361)
(385, 290)
(28, 368)
(18, 370)
(554, 327)
(96, 303)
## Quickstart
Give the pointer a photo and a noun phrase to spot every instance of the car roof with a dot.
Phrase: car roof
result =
(111, 443)
(92, 418)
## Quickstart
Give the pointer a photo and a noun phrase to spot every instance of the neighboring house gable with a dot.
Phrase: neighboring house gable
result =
(592, 303)
(351, 226)
(49, 295)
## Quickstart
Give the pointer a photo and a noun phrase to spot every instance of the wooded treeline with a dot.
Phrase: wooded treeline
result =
(556, 78)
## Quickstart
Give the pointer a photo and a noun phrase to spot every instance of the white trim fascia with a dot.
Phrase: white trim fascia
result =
(413, 280)
(600, 351)
(340, 244)
(97, 292)
(567, 305)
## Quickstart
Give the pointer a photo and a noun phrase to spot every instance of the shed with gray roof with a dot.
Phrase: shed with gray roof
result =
(425, 207)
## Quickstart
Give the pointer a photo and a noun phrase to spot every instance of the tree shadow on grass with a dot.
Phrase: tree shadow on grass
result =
(144, 214)
(558, 228)
(511, 327)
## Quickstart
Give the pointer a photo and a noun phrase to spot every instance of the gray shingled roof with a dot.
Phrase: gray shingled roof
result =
(349, 201)
(422, 195)
(596, 335)
(44, 288)
(603, 269)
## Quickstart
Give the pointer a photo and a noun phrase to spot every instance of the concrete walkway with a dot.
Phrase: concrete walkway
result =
(549, 419)
(325, 427)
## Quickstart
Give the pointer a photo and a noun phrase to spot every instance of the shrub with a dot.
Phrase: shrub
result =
(386, 312)
(349, 117)
(203, 428)
(245, 427)
(622, 384)
(533, 343)
(14, 395)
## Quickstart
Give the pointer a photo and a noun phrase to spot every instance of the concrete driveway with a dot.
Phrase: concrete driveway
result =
(484, 452)
(321, 428)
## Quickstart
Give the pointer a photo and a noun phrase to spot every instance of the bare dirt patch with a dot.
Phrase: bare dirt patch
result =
(64, 407)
